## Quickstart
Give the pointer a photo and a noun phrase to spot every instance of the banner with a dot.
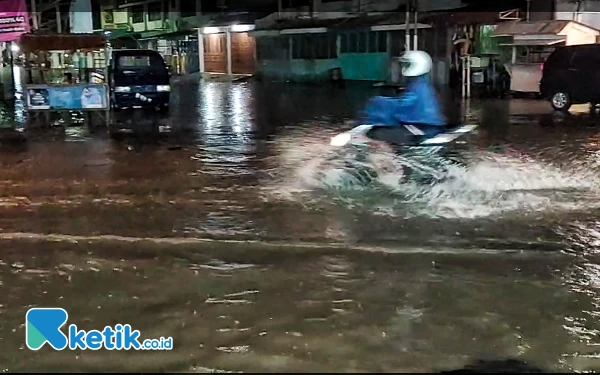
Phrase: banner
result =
(14, 20)
(75, 98)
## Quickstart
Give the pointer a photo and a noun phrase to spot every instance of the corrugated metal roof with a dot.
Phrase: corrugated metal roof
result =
(451, 18)
(357, 22)
(231, 18)
(536, 42)
(529, 28)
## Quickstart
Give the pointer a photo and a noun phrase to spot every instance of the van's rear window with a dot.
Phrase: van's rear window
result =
(139, 61)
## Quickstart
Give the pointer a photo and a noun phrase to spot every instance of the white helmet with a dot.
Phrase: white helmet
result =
(415, 63)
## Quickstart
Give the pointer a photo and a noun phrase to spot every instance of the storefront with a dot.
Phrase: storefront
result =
(226, 49)
(530, 43)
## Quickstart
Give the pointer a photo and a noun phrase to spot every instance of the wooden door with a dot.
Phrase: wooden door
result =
(242, 53)
(215, 53)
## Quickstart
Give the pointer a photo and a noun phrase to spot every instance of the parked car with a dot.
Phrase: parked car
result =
(571, 75)
(139, 78)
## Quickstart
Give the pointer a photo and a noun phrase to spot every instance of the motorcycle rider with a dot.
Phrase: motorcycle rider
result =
(417, 112)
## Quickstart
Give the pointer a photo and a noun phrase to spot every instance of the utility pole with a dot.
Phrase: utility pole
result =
(416, 36)
(407, 26)
(577, 10)
(279, 8)
(34, 15)
(58, 19)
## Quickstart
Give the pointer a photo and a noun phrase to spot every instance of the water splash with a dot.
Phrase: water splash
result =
(486, 184)
(497, 184)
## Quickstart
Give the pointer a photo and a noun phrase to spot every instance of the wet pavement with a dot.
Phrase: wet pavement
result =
(206, 225)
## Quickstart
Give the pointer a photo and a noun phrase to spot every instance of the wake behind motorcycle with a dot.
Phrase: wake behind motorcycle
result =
(397, 136)
(418, 153)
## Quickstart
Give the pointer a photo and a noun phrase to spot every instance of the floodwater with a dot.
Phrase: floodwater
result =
(208, 225)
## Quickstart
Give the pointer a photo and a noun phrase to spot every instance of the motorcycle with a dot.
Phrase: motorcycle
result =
(418, 153)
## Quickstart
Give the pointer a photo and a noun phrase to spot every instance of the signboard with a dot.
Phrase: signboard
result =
(65, 98)
(14, 20)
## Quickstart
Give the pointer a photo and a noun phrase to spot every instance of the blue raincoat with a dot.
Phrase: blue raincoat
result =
(419, 105)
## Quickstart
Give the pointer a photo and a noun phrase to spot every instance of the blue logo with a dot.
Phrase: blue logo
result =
(43, 325)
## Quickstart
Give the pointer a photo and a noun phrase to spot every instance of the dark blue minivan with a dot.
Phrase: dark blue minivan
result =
(139, 78)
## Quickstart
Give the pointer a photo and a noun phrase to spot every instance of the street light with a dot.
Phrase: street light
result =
(211, 30)
(240, 28)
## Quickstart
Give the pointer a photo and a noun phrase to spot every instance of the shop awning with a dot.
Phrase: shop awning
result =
(535, 42)
(170, 35)
(378, 22)
(61, 42)
(513, 28)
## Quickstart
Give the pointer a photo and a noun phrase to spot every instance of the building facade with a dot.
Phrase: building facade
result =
(360, 39)
(306, 40)
(176, 28)
(583, 11)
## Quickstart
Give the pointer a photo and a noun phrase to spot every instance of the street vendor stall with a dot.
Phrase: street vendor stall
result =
(531, 43)
(65, 72)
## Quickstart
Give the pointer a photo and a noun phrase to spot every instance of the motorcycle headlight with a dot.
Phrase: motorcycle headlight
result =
(122, 89)
(163, 88)
(340, 139)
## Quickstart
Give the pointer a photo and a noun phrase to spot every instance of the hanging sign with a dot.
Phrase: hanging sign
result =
(14, 20)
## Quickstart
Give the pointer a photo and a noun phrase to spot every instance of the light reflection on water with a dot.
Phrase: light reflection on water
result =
(227, 143)
(289, 310)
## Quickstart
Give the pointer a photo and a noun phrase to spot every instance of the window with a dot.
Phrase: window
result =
(153, 62)
(353, 43)
(137, 14)
(300, 47)
(332, 45)
(188, 8)
(314, 46)
(155, 11)
(373, 42)
(324, 46)
(585, 59)
(321, 47)
(108, 16)
(378, 41)
(362, 42)
(271, 47)
(382, 41)
(344, 43)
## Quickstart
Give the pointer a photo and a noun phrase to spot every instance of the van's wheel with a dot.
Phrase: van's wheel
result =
(561, 101)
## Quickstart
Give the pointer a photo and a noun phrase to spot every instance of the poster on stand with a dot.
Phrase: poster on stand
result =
(74, 98)
(14, 20)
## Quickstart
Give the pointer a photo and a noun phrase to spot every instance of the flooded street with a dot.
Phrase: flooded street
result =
(207, 225)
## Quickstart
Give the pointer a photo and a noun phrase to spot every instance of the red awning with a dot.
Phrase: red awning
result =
(61, 42)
